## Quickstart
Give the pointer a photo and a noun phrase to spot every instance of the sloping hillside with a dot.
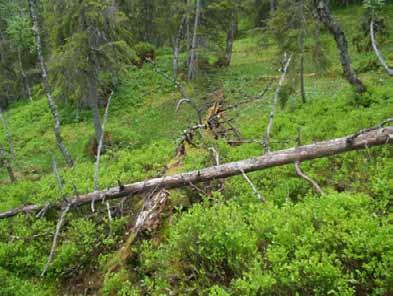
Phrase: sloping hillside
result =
(215, 238)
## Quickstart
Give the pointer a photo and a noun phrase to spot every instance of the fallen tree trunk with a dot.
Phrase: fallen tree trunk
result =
(362, 140)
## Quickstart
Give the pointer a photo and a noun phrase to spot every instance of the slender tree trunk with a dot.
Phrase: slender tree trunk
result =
(324, 16)
(4, 160)
(302, 37)
(8, 135)
(192, 67)
(272, 6)
(363, 140)
(176, 46)
(230, 38)
(93, 103)
(45, 81)
(24, 77)
(188, 33)
(5, 72)
(284, 71)
(376, 50)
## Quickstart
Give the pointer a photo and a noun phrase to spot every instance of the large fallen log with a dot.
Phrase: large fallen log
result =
(361, 140)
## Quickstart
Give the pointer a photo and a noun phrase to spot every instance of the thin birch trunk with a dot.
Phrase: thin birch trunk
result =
(97, 170)
(266, 138)
(4, 160)
(8, 135)
(176, 46)
(24, 77)
(302, 38)
(230, 38)
(192, 66)
(45, 81)
(376, 50)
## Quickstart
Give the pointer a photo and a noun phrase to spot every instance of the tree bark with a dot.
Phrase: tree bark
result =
(24, 77)
(376, 50)
(324, 16)
(272, 7)
(266, 137)
(192, 63)
(302, 38)
(5, 162)
(230, 38)
(176, 46)
(45, 81)
(93, 104)
(8, 135)
(362, 140)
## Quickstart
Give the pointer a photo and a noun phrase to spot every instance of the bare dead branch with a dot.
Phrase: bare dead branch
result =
(59, 225)
(254, 189)
(100, 144)
(185, 98)
(284, 70)
(316, 150)
(307, 178)
(299, 171)
(376, 50)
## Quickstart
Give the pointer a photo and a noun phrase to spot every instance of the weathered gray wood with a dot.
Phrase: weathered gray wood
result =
(376, 50)
(284, 70)
(366, 139)
(192, 63)
(45, 81)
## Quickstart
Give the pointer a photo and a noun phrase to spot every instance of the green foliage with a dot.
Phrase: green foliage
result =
(118, 284)
(333, 245)
(230, 244)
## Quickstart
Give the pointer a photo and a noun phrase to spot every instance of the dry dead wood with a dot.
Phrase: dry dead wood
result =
(284, 70)
(376, 50)
(369, 138)
(99, 149)
(300, 173)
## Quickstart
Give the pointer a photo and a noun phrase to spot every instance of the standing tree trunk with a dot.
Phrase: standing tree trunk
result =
(93, 102)
(4, 161)
(188, 33)
(3, 59)
(7, 135)
(324, 16)
(376, 50)
(230, 38)
(192, 63)
(24, 77)
(272, 7)
(176, 46)
(302, 37)
(45, 81)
